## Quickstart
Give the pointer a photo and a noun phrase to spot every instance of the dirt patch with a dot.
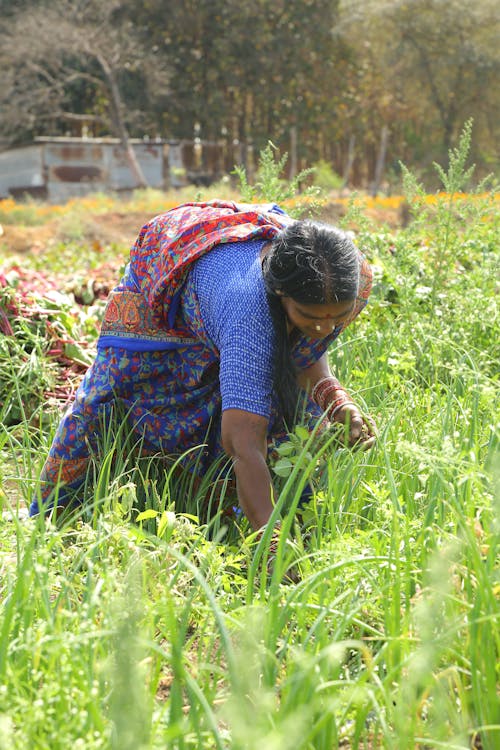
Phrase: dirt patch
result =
(21, 240)
(393, 217)
(115, 227)
(121, 228)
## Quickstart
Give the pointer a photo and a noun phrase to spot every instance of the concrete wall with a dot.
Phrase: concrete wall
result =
(21, 171)
(56, 169)
(75, 167)
(61, 168)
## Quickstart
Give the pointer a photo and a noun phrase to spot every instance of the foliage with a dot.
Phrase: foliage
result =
(325, 177)
(68, 54)
(271, 185)
(242, 74)
(143, 624)
(44, 344)
(455, 220)
(424, 69)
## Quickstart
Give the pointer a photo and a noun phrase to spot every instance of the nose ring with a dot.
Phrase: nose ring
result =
(318, 328)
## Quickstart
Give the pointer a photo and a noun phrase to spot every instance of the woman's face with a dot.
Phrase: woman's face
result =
(316, 321)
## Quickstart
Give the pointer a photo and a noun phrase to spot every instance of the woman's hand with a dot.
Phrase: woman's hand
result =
(360, 431)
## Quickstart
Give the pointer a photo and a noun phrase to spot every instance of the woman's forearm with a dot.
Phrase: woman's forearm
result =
(255, 490)
(309, 377)
(244, 438)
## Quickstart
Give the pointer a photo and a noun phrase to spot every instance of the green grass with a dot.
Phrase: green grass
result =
(164, 632)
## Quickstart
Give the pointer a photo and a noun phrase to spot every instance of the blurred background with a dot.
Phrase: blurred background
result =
(147, 93)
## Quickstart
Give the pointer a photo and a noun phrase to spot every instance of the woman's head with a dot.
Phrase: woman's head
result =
(313, 264)
(314, 269)
(311, 272)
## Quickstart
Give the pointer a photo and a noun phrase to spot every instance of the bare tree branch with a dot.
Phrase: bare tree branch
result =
(52, 50)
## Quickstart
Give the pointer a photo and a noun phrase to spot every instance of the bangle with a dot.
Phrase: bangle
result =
(339, 401)
(330, 396)
(321, 384)
(325, 395)
(274, 538)
(338, 407)
(260, 532)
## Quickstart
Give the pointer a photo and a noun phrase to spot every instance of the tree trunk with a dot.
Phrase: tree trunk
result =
(119, 124)
(349, 162)
(380, 164)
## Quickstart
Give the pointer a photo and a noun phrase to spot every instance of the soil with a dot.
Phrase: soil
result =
(106, 229)
(116, 228)
(19, 240)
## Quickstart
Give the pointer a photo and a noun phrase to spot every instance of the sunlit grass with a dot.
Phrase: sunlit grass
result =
(389, 638)
(145, 624)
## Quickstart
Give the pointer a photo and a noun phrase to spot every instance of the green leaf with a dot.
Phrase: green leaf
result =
(167, 519)
(302, 432)
(75, 352)
(146, 514)
(285, 449)
(283, 467)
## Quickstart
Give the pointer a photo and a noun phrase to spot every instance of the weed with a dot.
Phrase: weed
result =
(271, 186)
(455, 220)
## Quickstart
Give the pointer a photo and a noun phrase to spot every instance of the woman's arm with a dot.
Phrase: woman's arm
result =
(308, 378)
(347, 413)
(244, 439)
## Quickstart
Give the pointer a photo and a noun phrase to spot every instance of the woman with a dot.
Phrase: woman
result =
(218, 328)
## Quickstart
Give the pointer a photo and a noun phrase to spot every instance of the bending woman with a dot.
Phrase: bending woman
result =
(218, 329)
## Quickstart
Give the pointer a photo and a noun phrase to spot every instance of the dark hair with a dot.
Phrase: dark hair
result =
(313, 264)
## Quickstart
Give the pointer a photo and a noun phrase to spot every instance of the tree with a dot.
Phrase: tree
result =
(70, 59)
(250, 71)
(341, 80)
(437, 64)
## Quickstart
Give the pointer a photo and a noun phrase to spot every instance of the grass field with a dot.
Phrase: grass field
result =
(147, 631)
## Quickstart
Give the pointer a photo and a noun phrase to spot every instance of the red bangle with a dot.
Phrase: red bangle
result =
(274, 538)
(330, 396)
(342, 398)
(321, 385)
